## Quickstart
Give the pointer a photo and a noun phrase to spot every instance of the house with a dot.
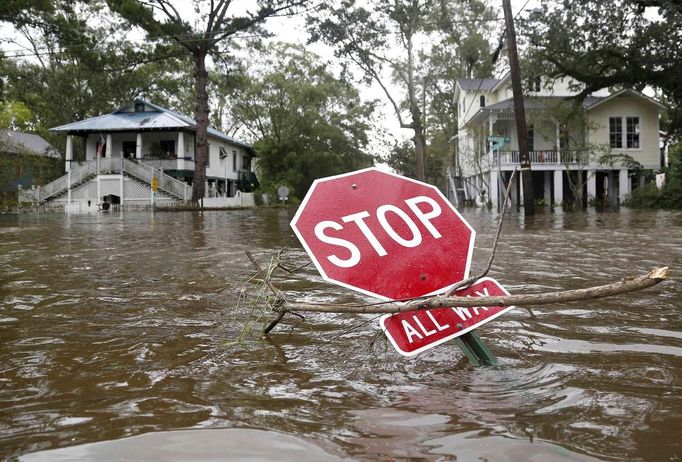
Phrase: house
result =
(118, 158)
(595, 151)
(25, 159)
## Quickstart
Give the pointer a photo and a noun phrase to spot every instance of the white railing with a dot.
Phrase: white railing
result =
(550, 157)
(79, 172)
(167, 183)
(182, 163)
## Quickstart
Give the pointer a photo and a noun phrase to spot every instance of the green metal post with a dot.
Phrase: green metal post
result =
(476, 350)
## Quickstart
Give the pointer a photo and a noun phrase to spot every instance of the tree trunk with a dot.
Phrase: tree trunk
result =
(201, 116)
(420, 149)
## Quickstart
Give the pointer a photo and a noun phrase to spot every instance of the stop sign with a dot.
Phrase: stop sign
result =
(384, 235)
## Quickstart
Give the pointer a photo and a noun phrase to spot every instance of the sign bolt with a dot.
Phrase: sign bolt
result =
(354, 186)
(459, 325)
(422, 277)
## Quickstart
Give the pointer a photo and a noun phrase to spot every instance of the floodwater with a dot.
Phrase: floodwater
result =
(126, 336)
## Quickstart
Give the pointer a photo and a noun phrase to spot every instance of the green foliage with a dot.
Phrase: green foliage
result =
(26, 170)
(14, 115)
(670, 197)
(401, 159)
(622, 43)
(81, 67)
(307, 124)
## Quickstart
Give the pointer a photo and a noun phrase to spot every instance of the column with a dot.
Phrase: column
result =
(180, 150)
(623, 185)
(514, 191)
(108, 152)
(69, 153)
(494, 190)
(519, 182)
(138, 147)
(611, 188)
(548, 188)
(558, 187)
(591, 185)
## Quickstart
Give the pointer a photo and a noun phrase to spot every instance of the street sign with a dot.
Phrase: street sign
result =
(415, 331)
(283, 193)
(384, 235)
(499, 139)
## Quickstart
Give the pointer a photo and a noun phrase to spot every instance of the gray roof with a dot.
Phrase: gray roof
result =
(16, 142)
(153, 118)
(478, 84)
(539, 102)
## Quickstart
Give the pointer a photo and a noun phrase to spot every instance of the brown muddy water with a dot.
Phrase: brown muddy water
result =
(119, 339)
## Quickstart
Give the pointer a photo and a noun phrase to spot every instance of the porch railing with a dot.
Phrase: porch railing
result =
(167, 183)
(550, 157)
(181, 163)
(80, 171)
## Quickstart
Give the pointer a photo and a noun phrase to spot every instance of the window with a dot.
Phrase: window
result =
(208, 155)
(234, 160)
(615, 132)
(533, 84)
(618, 138)
(482, 100)
(246, 162)
(632, 132)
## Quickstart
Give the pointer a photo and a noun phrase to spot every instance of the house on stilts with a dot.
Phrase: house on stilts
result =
(143, 155)
(592, 151)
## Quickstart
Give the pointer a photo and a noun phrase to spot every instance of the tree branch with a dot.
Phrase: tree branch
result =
(654, 277)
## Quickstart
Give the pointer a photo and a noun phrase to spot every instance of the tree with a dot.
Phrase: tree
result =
(401, 159)
(165, 24)
(306, 123)
(70, 63)
(392, 41)
(623, 43)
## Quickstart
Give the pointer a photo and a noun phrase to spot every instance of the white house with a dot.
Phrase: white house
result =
(142, 146)
(599, 150)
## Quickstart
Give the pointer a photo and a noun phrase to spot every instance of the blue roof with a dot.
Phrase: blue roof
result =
(152, 118)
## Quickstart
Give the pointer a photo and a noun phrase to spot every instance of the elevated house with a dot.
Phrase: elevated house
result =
(596, 150)
(140, 147)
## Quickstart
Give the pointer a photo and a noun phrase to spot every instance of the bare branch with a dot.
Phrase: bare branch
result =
(654, 277)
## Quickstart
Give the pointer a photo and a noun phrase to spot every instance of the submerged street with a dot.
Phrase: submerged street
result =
(121, 324)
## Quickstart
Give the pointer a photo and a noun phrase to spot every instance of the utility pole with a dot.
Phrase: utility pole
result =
(519, 112)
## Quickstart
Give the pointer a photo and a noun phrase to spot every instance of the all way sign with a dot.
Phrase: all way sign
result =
(415, 331)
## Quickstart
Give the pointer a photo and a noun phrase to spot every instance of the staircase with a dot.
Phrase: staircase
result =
(457, 190)
(85, 171)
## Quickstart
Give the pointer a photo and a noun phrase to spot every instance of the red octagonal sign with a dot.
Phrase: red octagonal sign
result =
(384, 235)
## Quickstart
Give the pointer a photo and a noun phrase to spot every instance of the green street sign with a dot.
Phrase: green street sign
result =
(499, 139)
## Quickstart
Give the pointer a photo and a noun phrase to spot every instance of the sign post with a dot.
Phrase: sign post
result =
(283, 193)
(394, 238)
